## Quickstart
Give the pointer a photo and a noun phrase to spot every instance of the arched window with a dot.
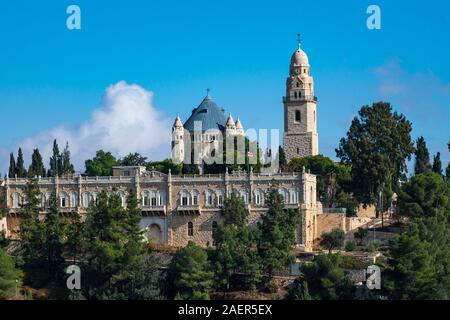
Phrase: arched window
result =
(284, 194)
(209, 198)
(298, 116)
(184, 200)
(295, 94)
(63, 200)
(123, 199)
(195, 197)
(244, 196)
(146, 199)
(86, 199)
(17, 200)
(162, 198)
(294, 196)
(220, 197)
(95, 198)
(190, 229)
(153, 199)
(74, 199)
(42, 200)
(298, 84)
(259, 197)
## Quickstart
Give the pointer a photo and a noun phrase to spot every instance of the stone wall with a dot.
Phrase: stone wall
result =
(326, 222)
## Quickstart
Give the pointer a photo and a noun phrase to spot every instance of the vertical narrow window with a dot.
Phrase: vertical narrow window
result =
(190, 229)
(298, 116)
(214, 232)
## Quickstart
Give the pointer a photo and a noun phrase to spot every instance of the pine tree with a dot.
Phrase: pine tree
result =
(53, 242)
(36, 168)
(190, 268)
(422, 164)
(277, 234)
(66, 166)
(55, 161)
(447, 172)
(31, 234)
(235, 244)
(75, 237)
(10, 277)
(437, 164)
(20, 167)
(12, 166)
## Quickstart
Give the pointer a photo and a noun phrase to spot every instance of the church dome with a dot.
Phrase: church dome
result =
(209, 114)
(299, 58)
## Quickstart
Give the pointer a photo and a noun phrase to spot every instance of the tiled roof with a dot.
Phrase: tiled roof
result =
(209, 114)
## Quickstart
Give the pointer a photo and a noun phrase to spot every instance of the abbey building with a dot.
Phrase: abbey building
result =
(177, 209)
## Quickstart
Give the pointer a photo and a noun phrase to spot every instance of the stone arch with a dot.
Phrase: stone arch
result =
(154, 234)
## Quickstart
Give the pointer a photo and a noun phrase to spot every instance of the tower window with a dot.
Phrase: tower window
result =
(298, 150)
(295, 95)
(190, 229)
(298, 116)
(298, 85)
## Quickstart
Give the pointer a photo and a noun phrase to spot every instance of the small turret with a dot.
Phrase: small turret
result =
(239, 127)
(177, 141)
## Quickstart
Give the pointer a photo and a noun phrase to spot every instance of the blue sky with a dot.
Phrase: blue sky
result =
(52, 77)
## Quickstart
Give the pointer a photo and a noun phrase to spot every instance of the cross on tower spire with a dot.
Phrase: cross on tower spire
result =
(299, 40)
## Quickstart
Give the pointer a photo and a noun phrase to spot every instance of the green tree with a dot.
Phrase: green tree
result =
(299, 290)
(333, 239)
(276, 234)
(333, 181)
(235, 246)
(36, 168)
(144, 282)
(101, 165)
(420, 261)
(74, 231)
(66, 165)
(21, 172)
(165, 166)
(422, 164)
(424, 195)
(12, 166)
(437, 164)
(134, 160)
(360, 234)
(282, 158)
(326, 280)
(55, 161)
(192, 278)
(53, 242)
(376, 147)
(10, 277)
(447, 172)
(31, 234)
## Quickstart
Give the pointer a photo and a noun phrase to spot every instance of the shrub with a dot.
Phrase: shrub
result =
(373, 246)
(350, 246)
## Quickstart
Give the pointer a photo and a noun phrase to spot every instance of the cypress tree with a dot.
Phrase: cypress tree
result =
(277, 234)
(67, 167)
(36, 168)
(55, 161)
(422, 164)
(437, 164)
(12, 166)
(20, 166)
(53, 242)
(31, 227)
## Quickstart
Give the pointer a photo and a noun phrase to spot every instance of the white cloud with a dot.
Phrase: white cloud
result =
(126, 122)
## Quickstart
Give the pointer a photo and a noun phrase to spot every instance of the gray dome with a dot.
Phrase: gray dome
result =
(209, 114)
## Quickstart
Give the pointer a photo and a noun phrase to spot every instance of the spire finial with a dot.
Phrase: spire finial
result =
(208, 91)
(299, 40)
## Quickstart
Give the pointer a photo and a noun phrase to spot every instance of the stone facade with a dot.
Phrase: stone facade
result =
(175, 209)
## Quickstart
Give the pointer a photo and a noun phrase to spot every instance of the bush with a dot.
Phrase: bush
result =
(272, 287)
(373, 246)
(352, 263)
(350, 246)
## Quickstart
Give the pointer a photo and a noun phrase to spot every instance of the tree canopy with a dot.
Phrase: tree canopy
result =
(422, 164)
(101, 165)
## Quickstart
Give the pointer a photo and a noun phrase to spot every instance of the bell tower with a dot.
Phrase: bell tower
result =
(300, 109)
